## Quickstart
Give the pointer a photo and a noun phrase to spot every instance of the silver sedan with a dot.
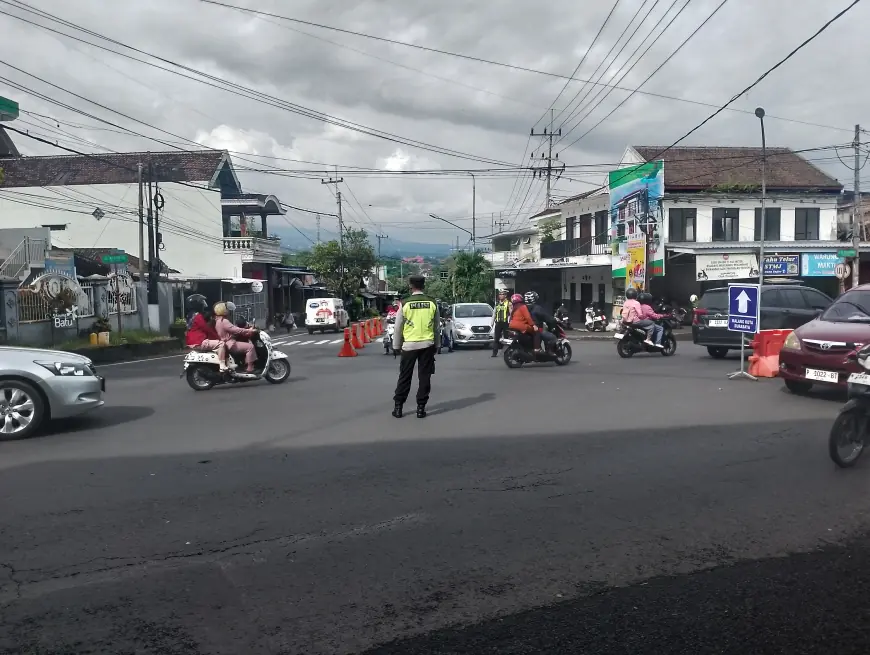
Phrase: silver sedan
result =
(38, 385)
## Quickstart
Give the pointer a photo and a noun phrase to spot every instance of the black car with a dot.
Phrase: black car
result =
(783, 306)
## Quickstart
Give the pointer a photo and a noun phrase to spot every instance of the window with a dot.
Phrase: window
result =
(584, 227)
(472, 311)
(602, 227)
(806, 224)
(681, 224)
(793, 299)
(726, 224)
(771, 223)
(816, 299)
(851, 307)
(771, 298)
(570, 224)
(714, 300)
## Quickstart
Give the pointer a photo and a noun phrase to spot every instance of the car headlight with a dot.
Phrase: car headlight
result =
(792, 342)
(459, 326)
(67, 368)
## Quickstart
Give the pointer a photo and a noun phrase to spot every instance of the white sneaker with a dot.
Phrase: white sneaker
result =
(658, 345)
(649, 342)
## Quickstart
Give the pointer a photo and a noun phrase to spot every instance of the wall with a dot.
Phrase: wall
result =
(11, 237)
(190, 222)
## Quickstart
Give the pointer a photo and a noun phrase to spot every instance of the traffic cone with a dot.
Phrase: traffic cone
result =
(366, 332)
(354, 337)
(346, 348)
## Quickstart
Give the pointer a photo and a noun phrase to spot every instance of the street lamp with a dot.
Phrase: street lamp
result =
(760, 113)
(444, 220)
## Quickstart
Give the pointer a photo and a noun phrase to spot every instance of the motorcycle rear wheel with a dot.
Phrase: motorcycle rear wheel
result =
(197, 379)
(623, 349)
(511, 357)
(847, 431)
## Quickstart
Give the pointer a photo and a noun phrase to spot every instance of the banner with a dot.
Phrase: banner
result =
(819, 264)
(635, 271)
(782, 265)
(726, 266)
(636, 202)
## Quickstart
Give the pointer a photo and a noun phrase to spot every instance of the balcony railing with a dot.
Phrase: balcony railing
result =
(254, 249)
(502, 258)
(573, 248)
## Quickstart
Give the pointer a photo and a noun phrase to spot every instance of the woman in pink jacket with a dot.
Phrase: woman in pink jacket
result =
(227, 333)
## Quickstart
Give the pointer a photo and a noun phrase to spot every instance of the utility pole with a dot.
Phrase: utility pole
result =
(152, 283)
(141, 225)
(857, 217)
(549, 159)
(473, 212)
(380, 237)
(336, 181)
(318, 228)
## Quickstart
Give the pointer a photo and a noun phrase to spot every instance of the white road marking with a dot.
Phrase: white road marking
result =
(290, 343)
(337, 341)
(320, 343)
(303, 343)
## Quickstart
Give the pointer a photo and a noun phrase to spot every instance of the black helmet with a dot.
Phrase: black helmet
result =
(197, 302)
(631, 293)
(645, 298)
(530, 297)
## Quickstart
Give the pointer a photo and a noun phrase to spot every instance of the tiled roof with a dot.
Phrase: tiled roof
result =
(693, 169)
(110, 168)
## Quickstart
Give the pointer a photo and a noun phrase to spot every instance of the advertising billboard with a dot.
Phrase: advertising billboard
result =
(636, 209)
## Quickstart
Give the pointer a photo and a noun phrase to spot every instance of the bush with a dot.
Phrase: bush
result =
(101, 325)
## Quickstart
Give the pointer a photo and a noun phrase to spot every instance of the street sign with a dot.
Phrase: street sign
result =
(842, 271)
(743, 307)
(8, 109)
(847, 252)
(114, 258)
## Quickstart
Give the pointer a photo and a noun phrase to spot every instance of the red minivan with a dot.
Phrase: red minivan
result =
(815, 353)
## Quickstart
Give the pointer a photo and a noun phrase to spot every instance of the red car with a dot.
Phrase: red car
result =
(815, 353)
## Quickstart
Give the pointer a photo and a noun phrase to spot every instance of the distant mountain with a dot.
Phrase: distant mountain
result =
(303, 239)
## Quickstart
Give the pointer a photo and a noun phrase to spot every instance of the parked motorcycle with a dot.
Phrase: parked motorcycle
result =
(561, 315)
(202, 369)
(595, 319)
(849, 432)
(518, 349)
(674, 315)
(631, 340)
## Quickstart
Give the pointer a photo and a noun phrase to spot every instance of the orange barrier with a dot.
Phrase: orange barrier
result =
(355, 341)
(346, 349)
(365, 332)
(764, 360)
(379, 325)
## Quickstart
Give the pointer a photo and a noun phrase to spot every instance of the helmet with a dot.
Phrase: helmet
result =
(531, 297)
(220, 309)
(631, 293)
(197, 302)
(502, 292)
(645, 298)
(516, 298)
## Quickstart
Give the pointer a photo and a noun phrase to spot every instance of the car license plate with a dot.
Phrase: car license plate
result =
(618, 335)
(717, 323)
(822, 376)
(320, 320)
(860, 378)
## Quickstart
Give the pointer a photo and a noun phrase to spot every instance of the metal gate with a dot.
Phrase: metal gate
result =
(252, 306)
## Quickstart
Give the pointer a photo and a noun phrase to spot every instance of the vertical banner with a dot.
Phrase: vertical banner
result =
(636, 203)
(635, 270)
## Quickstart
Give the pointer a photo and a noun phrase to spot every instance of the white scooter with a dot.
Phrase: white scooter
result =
(595, 319)
(203, 368)
(388, 337)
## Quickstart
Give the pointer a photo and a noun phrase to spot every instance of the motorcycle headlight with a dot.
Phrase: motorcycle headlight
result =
(66, 368)
(792, 342)
(459, 326)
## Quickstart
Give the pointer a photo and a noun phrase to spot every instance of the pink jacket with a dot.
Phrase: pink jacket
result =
(226, 330)
(647, 312)
(631, 311)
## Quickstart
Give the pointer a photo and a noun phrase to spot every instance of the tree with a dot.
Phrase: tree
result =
(471, 278)
(343, 270)
(301, 258)
(548, 228)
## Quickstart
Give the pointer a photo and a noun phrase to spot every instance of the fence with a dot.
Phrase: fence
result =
(252, 306)
(33, 307)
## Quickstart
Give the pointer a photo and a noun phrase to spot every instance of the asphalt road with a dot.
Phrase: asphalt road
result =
(610, 506)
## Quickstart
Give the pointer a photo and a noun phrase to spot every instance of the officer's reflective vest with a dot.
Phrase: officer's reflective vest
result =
(418, 318)
(502, 311)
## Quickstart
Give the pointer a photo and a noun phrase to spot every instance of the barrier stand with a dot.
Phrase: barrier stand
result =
(346, 348)
(365, 331)
(354, 337)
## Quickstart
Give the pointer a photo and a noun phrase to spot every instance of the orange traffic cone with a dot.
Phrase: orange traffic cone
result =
(366, 332)
(346, 349)
(354, 337)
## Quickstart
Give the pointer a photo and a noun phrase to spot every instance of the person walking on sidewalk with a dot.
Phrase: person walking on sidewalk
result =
(416, 335)
(500, 320)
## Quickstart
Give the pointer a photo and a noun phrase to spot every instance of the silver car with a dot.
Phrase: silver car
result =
(37, 385)
(470, 322)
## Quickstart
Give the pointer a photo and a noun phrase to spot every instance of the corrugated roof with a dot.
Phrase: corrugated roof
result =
(699, 168)
(110, 168)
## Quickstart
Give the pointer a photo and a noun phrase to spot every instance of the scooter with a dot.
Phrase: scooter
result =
(595, 319)
(849, 431)
(517, 353)
(202, 369)
(388, 336)
(632, 339)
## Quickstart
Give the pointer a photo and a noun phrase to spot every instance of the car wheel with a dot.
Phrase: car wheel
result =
(717, 353)
(798, 387)
(310, 330)
(22, 409)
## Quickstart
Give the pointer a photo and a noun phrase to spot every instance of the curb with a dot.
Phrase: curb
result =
(129, 352)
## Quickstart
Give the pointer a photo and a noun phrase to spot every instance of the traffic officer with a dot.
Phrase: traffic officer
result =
(500, 319)
(416, 335)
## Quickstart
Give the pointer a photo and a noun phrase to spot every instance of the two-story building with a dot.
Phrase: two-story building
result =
(710, 214)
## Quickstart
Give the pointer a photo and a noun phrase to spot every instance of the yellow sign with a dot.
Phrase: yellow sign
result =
(635, 270)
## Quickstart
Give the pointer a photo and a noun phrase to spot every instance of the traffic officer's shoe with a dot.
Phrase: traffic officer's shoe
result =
(421, 411)
(397, 410)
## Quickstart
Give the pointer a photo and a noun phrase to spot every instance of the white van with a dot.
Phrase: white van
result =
(325, 314)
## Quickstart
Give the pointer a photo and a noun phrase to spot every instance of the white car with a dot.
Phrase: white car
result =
(470, 323)
(325, 314)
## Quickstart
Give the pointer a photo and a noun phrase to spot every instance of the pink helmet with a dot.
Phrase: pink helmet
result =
(516, 298)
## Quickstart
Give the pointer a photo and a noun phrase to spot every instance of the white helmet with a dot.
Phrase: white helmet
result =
(530, 297)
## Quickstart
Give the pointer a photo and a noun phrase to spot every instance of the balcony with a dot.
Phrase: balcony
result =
(254, 249)
(573, 248)
(502, 258)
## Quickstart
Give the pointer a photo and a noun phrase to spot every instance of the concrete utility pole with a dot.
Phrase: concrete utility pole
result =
(336, 181)
(474, 212)
(549, 168)
(763, 227)
(141, 226)
(380, 237)
(318, 228)
(857, 217)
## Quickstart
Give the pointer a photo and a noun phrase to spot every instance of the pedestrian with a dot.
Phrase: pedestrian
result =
(416, 335)
(289, 321)
(500, 318)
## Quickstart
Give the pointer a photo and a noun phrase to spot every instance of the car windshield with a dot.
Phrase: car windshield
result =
(715, 300)
(852, 307)
(472, 311)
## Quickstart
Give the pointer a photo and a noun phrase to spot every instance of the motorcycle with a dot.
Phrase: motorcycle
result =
(595, 319)
(564, 319)
(202, 369)
(673, 315)
(631, 340)
(849, 431)
(517, 353)
(388, 336)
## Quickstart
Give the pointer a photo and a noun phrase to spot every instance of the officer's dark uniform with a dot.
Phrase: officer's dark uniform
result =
(417, 333)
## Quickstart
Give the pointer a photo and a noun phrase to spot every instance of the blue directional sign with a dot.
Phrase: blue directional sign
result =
(743, 307)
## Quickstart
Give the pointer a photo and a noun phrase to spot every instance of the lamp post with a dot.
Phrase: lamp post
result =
(444, 220)
(760, 113)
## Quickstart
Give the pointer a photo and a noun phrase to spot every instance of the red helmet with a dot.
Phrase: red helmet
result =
(516, 298)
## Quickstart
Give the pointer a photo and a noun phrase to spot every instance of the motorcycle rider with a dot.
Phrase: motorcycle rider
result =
(542, 319)
(201, 335)
(393, 310)
(648, 313)
(521, 319)
(228, 333)
(631, 314)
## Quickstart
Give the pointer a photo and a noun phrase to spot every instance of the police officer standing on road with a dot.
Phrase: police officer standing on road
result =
(500, 319)
(416, 335)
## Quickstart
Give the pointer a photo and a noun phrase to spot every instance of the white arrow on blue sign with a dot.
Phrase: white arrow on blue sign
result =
(743, 307)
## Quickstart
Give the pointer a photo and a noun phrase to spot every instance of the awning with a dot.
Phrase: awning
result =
(241, 280)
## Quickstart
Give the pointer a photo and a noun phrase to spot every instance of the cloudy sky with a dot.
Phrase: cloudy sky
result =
(480, 111)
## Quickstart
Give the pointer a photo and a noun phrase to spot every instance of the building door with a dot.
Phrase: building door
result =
(572, 297)
(602, 296)
(585, 295)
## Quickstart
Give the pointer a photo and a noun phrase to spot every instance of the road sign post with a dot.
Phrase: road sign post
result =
(744, 303)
